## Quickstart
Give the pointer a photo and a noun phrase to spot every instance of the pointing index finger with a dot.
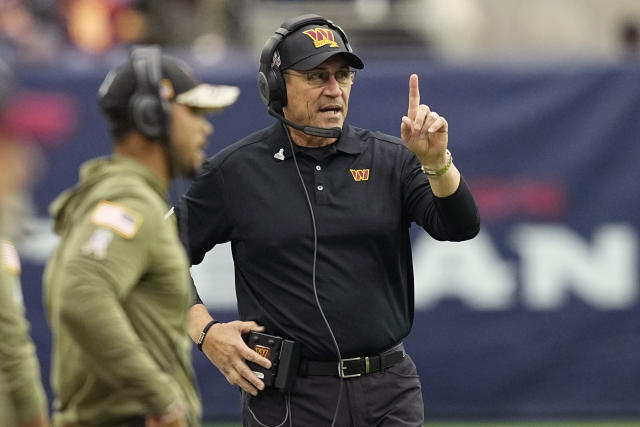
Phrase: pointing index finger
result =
(414, 96)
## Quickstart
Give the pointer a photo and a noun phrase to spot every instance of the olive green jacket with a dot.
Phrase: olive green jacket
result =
(117, 292)
(21, 394)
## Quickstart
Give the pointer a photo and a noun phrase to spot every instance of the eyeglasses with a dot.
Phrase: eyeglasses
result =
(320, 77)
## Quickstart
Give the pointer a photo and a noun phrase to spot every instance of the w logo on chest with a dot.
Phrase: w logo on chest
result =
(360, 174)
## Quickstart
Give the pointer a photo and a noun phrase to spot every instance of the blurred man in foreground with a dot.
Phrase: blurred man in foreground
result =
(22, 399)
(117, 288)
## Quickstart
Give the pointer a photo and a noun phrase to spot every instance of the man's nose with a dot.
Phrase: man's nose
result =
(207, 126)
(332, 87)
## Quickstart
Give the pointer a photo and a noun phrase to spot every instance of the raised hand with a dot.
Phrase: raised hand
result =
(424, 132)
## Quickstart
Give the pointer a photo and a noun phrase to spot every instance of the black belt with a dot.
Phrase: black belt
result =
(353, 366)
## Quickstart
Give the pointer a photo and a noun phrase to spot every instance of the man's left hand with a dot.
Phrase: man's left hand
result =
(425, 132)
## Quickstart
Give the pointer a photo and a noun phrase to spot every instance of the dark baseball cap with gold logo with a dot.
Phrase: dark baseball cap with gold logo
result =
(313, 44)
(178, 84)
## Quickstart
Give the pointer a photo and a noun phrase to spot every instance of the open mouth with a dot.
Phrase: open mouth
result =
(335, 109)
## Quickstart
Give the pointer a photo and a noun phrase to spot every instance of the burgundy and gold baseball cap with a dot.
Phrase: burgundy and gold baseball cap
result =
(313, 44)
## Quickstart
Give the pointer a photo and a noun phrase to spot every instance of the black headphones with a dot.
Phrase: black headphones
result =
(271, 86)
(148, 110)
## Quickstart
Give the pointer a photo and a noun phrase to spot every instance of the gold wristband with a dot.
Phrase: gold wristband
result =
(441, 171)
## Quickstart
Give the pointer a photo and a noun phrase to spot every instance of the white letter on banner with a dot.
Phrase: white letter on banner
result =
(471, 271)
(556, 260)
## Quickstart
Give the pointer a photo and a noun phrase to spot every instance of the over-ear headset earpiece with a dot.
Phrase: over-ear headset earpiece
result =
(271, 85)
(147, 108)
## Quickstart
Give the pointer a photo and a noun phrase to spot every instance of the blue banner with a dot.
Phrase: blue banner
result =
(537, 316)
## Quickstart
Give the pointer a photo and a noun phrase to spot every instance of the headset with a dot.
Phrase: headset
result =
(271, 84)
(148, 110)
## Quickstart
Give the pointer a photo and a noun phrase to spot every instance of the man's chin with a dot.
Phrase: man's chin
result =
(332, 124)
(190, 174)
(186, 171)
(191, 171)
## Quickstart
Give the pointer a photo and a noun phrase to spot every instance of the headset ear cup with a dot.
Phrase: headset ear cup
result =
(145, 111)
(279, 87)
(263, 88)
(277, 90)
(148, 111)
(272, 89)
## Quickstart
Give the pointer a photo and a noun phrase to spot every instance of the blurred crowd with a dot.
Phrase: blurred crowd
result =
(47, 31)
(38, 31)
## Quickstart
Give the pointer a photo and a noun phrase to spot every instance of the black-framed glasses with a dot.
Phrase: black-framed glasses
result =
(320, 77)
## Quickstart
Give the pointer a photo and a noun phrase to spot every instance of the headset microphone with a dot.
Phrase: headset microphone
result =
(334, 132)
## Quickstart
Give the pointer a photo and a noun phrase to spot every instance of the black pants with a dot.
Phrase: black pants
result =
(389, 398)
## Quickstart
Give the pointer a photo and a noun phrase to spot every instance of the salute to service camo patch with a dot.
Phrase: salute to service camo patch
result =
(9, 259)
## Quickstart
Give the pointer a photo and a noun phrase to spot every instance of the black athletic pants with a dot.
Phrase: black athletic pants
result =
(392, 397)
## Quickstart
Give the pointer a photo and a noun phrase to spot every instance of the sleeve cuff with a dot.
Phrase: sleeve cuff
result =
(460, 212)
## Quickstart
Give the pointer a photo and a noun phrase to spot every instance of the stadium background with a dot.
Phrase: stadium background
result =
(537, 318)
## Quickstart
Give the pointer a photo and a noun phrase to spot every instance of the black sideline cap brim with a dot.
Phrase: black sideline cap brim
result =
(313, 61)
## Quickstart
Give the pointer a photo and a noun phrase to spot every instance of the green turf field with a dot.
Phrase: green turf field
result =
(546, 423)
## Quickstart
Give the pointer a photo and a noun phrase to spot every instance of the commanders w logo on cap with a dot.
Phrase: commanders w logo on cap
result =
(321, 37)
